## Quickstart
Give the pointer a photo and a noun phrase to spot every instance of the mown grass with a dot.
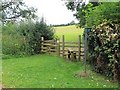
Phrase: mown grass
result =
(44, 71)
(0, 55)
(71, 32)
(0, 70)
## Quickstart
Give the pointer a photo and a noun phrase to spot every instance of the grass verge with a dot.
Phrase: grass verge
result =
(45, 71)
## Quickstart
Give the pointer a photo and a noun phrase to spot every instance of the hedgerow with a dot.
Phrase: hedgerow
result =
(24, 38)
(104, 50)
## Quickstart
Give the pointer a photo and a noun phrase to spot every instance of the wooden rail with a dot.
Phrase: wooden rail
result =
(65, 49)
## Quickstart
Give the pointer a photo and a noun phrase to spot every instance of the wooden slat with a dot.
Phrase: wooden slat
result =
(48, 41)
(80, 55)
(69, 42)
(61, 53)
(51, 45)
(73, 51)
(52, 50)
(64, 50)
(82, 51)
(44, 48)
(44, 51)
(52, 53)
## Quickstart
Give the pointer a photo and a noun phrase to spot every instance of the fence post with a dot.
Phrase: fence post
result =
(79, 47)
(58, 47)
(63, 45)
(85, 50)
(42, 42)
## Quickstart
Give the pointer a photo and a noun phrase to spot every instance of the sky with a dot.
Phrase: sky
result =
(54, 11)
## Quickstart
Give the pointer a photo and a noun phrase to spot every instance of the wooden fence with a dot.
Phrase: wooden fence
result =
(69, 50)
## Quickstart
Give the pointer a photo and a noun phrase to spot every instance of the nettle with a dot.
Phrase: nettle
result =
(104, 49)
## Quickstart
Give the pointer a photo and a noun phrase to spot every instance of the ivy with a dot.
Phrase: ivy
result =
(104, 48)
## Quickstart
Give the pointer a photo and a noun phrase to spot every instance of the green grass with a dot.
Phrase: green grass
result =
(44, 71)
(0, 70)
(71, 32)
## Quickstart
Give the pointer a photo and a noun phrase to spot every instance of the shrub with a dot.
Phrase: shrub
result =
(104, 48)
(33, 33)
(13, 43)
(24, 38)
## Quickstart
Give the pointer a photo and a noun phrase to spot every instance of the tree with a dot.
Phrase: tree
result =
(15, 10)
(105, 12)
(81, 8)
(94, 13)
(72, 22)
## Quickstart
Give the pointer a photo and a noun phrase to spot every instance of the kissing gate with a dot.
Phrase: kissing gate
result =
(69, 50)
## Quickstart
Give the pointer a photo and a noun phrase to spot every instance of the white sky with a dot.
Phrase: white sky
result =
(54, 11)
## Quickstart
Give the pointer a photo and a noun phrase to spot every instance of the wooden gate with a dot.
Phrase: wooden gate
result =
(69, 50)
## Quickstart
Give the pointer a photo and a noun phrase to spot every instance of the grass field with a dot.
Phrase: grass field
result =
(0, 70)
(44, 71)
(0, 56)
(71, 32)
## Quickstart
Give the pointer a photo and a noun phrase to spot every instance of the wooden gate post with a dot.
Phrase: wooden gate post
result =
(42, 42)
(79, 47)
(85, 50)
(58, 47)
(63, 45)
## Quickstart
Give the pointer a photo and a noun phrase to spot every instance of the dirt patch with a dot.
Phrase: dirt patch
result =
(1, 86)
(82, 74)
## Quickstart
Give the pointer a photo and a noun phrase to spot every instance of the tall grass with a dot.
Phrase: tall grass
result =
(13, 44)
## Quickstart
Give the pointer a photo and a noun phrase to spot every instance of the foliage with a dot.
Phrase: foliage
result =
(24, 38)
(33, 33)
(94, 13)
(15, 11)
(108, 12)
(105, 38)
(44, 71)
(80, 9)
(13, 44)
(104, 46)
(72, 22)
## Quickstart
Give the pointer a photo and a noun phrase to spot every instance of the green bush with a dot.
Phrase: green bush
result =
(13, 44)
(104, 50)
(33, 33)
(24, 38)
